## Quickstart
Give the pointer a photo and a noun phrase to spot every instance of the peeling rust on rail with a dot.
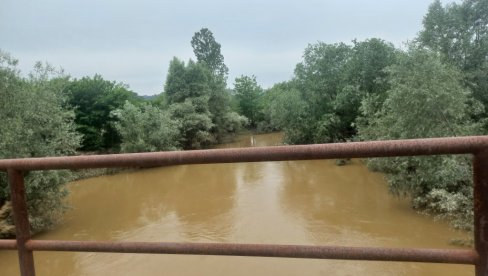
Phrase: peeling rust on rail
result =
(431, 146)
(264, 250)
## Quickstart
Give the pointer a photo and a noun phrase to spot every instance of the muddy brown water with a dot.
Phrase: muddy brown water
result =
(293, 202)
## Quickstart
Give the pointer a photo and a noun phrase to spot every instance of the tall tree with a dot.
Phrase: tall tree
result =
(320, 77)
(459, 32)
(188, 92)
(207, 51)
(186, 81)
(200, 103)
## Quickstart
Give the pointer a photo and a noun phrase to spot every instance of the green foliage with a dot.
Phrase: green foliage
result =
(225, 120)
(459, 32)
(366, 69)
(188, 92)
(34, 123)
(160, 101)
(287, 110)
(372, 91)
(329, 86)
(186, 81)
(93, 100)
(233, 122)
(321, 74)
(196, 95)
(146, 128)
(208, 54)
(426, 99)
(248, 94)
(194, 121)
(207, 51)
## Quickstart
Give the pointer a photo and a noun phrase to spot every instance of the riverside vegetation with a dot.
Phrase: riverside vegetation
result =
(365, 90)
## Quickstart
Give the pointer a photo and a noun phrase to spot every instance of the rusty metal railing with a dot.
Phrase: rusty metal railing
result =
(475, 145)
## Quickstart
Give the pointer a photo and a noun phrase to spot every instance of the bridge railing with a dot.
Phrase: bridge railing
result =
(477, 146)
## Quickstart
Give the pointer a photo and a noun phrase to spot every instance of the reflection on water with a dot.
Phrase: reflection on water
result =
(294, 202)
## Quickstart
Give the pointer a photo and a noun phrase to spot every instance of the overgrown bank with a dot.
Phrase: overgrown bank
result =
(371, 90)
(49, 114)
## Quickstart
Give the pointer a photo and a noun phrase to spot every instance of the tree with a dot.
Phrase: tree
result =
(146, 128)
(188, 93)
(366, 68)
(321, 74)
(320, 77)
(248, 94)
(270, 108)
(207, 51)
(459, 32)
(287, 110)
(426, 99)
(194, 122)
(191, 88)
(331, 82)
(186, 81)
(93, 100)
(34, 122)
(435, 27)
(367, 73)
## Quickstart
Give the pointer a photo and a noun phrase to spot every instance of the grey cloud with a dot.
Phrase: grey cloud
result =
(132, 42)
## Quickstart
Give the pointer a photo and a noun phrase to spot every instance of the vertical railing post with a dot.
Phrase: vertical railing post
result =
(21, 220)
(480, 174)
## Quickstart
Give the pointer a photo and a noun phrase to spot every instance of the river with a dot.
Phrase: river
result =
(292, 202)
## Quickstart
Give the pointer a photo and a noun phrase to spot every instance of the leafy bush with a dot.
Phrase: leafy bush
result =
(35, 122)
(426, 99)
(146, 128)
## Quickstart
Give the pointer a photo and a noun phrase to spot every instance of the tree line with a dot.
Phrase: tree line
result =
(47, 113)
(370, 90)
(364, 90)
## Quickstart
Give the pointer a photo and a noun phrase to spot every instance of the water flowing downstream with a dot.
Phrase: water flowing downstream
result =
(292, 202)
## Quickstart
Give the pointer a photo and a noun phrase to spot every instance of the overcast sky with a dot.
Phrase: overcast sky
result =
(133, 42)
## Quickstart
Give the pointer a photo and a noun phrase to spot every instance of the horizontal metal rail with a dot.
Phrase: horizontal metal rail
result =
(475, 145)
(8, 244)
(432, 146)
(458, 256)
